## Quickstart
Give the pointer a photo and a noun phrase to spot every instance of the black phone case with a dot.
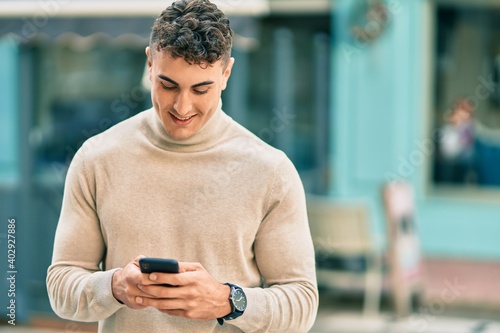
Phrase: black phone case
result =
(160, 265)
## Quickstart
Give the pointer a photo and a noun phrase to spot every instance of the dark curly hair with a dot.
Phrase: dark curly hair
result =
(195, 30)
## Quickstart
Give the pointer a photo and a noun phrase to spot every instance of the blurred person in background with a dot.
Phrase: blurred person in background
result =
(457, 142)
(184, 181)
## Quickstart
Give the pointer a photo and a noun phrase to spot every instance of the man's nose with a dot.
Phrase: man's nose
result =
(183, 104)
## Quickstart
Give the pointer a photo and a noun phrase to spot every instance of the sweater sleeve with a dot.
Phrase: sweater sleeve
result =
(285, 257)
(77, 287)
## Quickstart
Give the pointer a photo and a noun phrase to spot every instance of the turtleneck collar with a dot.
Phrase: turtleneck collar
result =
(202, 140)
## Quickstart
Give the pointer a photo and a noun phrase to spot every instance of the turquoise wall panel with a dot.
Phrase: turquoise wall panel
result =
(465, 229)
(9, 110)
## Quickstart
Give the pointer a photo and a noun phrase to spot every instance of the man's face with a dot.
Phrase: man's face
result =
(185, 96)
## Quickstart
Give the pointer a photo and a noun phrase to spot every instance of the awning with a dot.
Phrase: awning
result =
(123, 8)
(132, 8)
(85, 23)
(84, 31)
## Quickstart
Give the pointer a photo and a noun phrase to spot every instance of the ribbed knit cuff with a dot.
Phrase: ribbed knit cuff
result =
(257, 314)
(103, 291)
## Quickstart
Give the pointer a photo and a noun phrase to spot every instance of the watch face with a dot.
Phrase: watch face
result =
(239, 300)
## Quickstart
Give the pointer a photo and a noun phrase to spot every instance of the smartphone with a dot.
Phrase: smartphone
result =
(159, 265)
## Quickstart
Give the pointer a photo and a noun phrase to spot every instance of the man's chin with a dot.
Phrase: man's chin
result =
(181, 134)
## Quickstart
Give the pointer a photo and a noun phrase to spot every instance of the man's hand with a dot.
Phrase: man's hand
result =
(125, 282)
(195, 295)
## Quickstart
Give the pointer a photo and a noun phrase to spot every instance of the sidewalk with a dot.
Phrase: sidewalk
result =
(352, 323)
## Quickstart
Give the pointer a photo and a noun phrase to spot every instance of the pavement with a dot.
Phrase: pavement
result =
(354, 323)
(340, 313)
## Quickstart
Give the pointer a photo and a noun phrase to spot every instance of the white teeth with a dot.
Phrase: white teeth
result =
(184, 119)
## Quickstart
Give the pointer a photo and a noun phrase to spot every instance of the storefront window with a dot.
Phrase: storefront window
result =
(80, 93)
(467, 97)
(285, 100)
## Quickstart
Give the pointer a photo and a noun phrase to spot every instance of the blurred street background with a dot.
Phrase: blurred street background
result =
(389, 109)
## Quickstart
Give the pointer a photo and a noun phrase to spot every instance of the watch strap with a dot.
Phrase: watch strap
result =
(234, 312)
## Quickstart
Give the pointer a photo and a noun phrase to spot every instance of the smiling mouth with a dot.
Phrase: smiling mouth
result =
(181, 121)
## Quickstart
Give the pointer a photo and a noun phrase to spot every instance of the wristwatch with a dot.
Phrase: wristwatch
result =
(238, 302)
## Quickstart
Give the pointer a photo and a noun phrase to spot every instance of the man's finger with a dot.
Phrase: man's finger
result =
(161, 303)
(140, 256)
(155, 278)
(189, 267)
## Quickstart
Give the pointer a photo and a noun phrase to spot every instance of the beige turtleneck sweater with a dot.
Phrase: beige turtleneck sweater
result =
(222, 198)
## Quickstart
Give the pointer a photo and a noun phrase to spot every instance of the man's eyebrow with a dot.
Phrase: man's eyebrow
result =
(166, 78)
(204, 83)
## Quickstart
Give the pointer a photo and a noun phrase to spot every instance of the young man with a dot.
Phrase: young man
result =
(184, 181)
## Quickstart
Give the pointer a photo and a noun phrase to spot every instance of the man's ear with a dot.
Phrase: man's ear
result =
(148, 54)
(227, 72)
(150, 61)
